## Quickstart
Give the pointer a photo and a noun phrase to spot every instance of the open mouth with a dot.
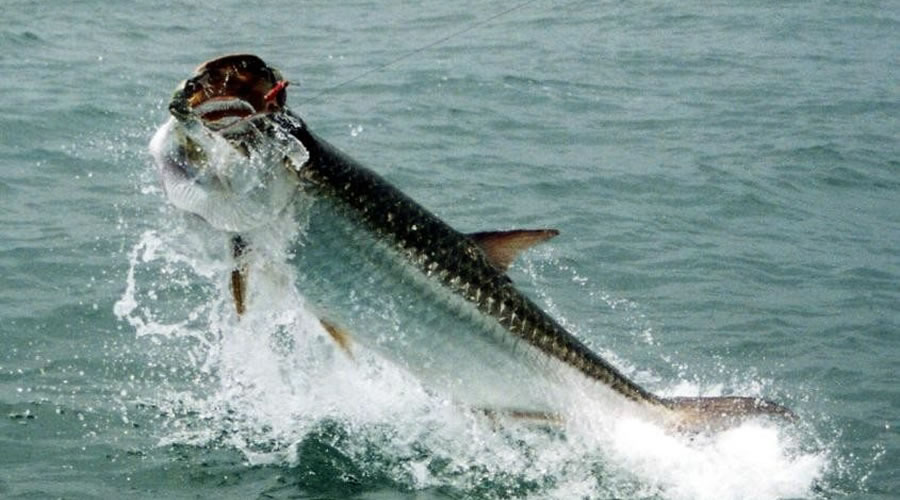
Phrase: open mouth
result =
(230, 90)
(220, 113)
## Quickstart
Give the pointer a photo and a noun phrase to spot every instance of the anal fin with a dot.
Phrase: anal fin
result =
(532, 416)
(695, 414)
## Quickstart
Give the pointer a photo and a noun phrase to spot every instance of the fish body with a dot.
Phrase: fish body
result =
(426, 295)
(383, 270)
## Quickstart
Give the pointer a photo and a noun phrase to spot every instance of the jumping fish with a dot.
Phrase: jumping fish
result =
(380, 269)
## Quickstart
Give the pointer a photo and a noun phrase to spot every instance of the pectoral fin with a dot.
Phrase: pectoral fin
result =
(239, 275)
(502, 247)
(238, 284)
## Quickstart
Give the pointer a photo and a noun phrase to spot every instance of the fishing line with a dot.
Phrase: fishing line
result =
(419, 50)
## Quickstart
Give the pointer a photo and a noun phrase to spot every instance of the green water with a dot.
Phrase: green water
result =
(724, 177)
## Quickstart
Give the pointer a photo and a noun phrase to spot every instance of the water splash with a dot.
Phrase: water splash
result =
(281, 392)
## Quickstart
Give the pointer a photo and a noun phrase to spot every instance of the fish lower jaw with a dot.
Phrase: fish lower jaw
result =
(220, 113)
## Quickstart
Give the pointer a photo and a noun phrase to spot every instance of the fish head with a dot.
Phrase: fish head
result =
(222, 154)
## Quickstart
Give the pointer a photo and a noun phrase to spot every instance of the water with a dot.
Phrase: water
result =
(724, 177)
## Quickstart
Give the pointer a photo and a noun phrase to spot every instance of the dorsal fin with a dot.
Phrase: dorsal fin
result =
(502, 247)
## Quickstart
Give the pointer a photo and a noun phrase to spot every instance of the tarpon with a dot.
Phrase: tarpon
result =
(382, 270)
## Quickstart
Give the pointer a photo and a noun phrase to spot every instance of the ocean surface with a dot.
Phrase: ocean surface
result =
(725, 177)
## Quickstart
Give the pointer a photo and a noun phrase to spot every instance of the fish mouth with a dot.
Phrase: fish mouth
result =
(229, 91)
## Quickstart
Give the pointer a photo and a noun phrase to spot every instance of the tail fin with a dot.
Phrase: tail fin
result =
(717, 413)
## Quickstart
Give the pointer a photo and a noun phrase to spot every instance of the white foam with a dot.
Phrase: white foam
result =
(750, 461)
(278, 377)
